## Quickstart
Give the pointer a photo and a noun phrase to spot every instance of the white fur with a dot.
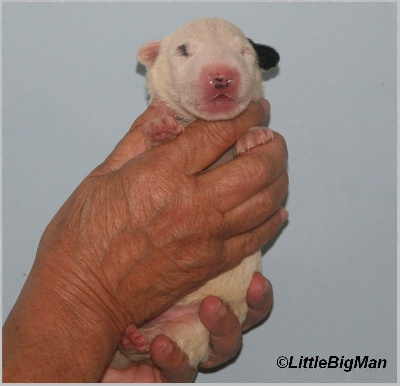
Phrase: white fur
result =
(209, 41)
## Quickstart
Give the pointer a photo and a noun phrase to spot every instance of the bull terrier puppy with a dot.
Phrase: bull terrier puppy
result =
(208, 70)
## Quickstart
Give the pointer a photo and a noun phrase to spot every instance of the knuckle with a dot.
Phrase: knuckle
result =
(252, 242)
(217, 133)
(268, 201)
(275, 223)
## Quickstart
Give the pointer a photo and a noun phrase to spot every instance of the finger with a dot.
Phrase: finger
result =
(259, 298)
(130, 146)
(238, 247)
(173, 363)
(246, 175)
(225, 331)
(204, 142)
(258, 208)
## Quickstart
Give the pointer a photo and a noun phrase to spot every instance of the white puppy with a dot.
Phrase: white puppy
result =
(206, 69)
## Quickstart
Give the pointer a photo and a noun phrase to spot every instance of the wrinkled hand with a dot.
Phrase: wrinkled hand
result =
(154, 214)
(170, 364)
(138, 234)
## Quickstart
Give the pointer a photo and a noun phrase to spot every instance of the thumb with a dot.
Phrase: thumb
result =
(130, 146)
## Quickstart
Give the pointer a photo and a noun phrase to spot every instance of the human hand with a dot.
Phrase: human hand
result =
(153, 214)
(138, 234)
(170, 364)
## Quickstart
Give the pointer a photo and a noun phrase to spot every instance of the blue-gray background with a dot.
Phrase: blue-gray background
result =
(71, 90)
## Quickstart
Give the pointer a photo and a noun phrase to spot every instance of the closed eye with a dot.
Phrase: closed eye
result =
(183, 50)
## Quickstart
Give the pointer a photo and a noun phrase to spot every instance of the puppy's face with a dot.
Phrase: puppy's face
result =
(207, 69)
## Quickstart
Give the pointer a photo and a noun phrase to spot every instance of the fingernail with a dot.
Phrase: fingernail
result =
(219, 308)
(267, 288)
(167, 347)
(284, 214)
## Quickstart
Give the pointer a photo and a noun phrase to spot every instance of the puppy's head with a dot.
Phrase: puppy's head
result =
(206, 69)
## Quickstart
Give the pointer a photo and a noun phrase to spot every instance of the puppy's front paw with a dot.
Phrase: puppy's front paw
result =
(161, 130)
(254, 137)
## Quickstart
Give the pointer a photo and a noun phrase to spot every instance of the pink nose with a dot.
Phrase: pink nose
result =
(221, 77)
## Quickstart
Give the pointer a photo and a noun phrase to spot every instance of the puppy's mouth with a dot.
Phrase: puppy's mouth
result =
(219, 106)
(221, 99)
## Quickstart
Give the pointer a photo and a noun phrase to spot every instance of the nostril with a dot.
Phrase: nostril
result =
(214, 80)
(220, 81)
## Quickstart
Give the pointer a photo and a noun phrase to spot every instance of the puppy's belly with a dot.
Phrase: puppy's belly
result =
(182, 323)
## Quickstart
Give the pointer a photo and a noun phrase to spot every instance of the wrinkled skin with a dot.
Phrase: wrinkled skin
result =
(131, 215)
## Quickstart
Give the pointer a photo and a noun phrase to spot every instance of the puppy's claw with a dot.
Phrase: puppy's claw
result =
(256, 136)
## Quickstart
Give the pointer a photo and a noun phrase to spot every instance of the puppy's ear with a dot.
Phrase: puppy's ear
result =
(148, 53)
(267, 56)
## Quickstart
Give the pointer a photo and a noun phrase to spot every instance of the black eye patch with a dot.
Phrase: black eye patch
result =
(182, 49)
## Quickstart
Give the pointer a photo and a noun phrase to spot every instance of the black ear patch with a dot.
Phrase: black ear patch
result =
(268, 57)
